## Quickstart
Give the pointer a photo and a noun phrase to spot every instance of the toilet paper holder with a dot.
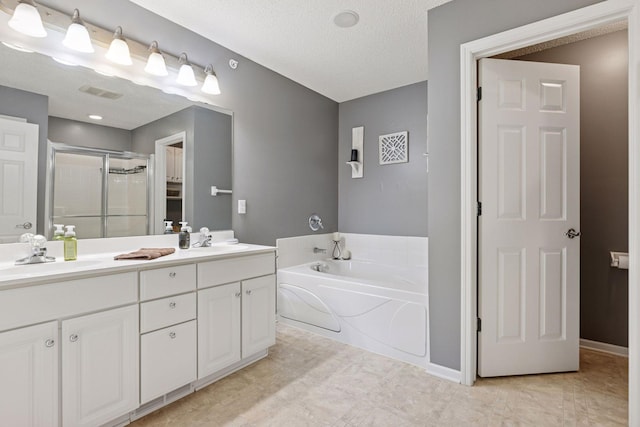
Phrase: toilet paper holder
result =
(620, 260)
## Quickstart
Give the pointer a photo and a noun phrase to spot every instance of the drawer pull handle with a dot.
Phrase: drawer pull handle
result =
(172, 335)
(172, 274)
(49, 343)
(238, 294)
(172, 305)
(249, 292)
(73, 337)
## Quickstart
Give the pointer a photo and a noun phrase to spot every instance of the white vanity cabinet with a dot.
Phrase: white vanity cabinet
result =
(99, 366)
(168, 342)
(236, 310)
(29, 353)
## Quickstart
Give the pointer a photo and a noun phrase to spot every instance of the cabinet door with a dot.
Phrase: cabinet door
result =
(100, 366)
(171, 171)
(258, 314)
(177, 166)
(218, 328)
(167, 360)
(29, 376)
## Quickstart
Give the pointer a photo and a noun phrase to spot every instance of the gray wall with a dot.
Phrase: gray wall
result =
(604, 204)
(389, 199)
(84, 134)
(213, 166)
(449, 26)
(34, 108)
(285, 135)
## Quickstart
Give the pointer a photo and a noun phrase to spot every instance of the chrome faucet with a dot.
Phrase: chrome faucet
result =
(38, 250)
(205, 240)
(319, 251)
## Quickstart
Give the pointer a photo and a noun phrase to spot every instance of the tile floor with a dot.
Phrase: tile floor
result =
(308, 380)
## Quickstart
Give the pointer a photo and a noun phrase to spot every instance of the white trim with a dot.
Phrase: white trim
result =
(604, 347)
(548, 29)
(160, 188)
(443, 372)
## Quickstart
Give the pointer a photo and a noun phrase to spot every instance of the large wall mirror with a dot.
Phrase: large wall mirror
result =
(135, 122)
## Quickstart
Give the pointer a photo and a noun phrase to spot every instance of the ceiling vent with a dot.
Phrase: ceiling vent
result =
(102, 93)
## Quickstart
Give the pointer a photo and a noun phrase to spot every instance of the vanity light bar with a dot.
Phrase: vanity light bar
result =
(60, 22)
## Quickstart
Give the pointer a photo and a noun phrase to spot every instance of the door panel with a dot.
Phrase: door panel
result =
(529, 189)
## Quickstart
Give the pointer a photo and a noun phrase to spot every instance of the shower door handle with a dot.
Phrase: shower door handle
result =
(26, 226)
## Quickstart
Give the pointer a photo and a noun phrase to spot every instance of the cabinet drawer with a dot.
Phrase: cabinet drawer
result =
(229, 270)
(34, 304)
(167, 360)
(167, 311)
(163, 282)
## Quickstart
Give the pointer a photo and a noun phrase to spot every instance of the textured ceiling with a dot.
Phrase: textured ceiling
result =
(298, 39)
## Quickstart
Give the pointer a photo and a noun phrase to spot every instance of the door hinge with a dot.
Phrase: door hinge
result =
(479, 325)
(480, 94)
(479, 209)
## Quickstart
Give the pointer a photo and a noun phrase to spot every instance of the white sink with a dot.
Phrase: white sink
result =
(30, 270)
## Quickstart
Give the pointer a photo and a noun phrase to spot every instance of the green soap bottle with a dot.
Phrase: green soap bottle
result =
(70, 244)
(58, 233)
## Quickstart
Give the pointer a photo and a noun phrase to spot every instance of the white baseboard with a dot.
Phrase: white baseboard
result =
(604, 347)
(443, 372)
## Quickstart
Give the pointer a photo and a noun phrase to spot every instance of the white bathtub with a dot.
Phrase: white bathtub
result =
(376, 307)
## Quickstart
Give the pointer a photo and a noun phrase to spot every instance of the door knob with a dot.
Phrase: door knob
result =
(27, 225)
(572, 233)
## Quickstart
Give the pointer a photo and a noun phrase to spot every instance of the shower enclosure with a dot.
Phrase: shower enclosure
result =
(103, 193)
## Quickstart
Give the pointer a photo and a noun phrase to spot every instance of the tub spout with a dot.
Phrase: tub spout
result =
(319, 251)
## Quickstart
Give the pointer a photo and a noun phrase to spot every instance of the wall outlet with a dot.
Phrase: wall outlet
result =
(242, 207)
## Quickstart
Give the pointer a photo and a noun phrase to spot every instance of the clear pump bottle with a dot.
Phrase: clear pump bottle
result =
(184, 238)
(168, 227)
(70, 244)
(58, 233)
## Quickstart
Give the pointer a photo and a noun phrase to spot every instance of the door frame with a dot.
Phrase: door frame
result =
(537, 32)
(160, 188)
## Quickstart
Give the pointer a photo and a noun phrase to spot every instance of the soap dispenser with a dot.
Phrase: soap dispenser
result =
(58, 233)
(184, 238)
(70, 244)
(168, 227)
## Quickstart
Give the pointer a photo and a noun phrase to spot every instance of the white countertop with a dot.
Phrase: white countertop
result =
(94, 263)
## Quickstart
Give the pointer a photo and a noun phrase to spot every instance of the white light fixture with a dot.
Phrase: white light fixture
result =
(211, 85)
(186, 76)
(95, 117)
(155, 63)
(77, 37)
(346, 19)
(119, 50)
(27, 20)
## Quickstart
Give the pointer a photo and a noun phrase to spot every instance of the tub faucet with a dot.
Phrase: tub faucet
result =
(38, 250)
(319, 251)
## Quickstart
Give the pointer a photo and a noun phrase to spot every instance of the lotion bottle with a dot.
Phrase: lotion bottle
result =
(70, 244)
(184, 238)
(58, 233)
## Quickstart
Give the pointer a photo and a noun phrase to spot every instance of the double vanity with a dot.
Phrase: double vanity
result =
(103, 342)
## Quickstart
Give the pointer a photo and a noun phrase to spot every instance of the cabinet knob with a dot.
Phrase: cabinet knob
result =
(238, 294)
(73, 337)
(49, 343)
(172, 305)
(172, 335)
(172, 274)
(249, 292)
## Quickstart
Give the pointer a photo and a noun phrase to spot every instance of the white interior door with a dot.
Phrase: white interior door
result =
(529, 187)
(18, 178)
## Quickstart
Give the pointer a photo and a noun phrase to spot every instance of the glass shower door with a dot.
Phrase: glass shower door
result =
(127, 203)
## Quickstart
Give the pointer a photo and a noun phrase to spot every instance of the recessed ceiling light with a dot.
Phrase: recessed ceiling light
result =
(95, 117)
(346, 19)
(16, 47)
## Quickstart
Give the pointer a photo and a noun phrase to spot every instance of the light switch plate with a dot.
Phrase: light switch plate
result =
(242, 206)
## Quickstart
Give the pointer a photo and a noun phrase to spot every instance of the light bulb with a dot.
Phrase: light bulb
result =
(119, 50)
(77, 37)
(27, 20)
(186, 75)
(211, 85)
(155, 64)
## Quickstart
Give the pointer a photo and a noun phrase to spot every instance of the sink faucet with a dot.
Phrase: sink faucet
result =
(38, 250)
(205, 239)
